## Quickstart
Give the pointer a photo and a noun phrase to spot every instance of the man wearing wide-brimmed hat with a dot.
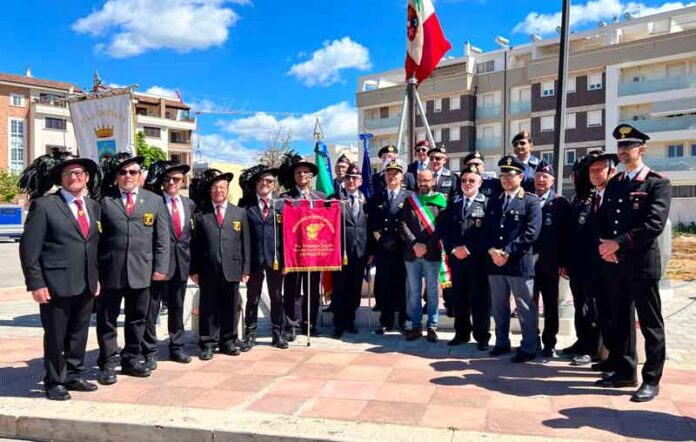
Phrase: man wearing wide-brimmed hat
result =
(133, 252)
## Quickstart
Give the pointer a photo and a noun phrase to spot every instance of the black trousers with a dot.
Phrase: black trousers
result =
(645, 296)
(585, 292)
(347, 290)
(274, 282)
(297, 289)
(136, 305)
(218, 308)
(472, 298)
(390, 277)
(547, 287)
(65, 321)
(173, 292)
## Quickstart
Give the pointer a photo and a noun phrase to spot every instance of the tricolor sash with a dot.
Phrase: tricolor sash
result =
(427, 220)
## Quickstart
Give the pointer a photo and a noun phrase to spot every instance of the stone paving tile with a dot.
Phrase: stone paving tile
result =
(340, 409)
(518, 421)
(393, 413)
(350, 390)
(277, 404)
(246, 383)
(408, 394)
(221, 399)
(300, 387)
(374, 373)
(461, 418)
(195, 380)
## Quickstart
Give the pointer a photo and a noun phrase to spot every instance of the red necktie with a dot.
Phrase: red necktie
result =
(266, 210)
(129, 203)
(82, 218)
(219, 215)
(176, 219)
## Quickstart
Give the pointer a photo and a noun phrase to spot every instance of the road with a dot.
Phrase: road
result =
(10, 269)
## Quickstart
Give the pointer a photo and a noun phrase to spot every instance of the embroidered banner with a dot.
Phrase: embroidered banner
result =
(311, 236)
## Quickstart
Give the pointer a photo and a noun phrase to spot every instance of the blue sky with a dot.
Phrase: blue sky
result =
(301, 57)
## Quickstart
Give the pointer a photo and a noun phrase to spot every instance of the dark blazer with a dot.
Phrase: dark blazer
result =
(357, 244)
(459, 228)
(385, 220)
(634, 213)
(294, 194)
(53, 252)
(265, 246)
(133, 247)
(448, 183)
(378, 184)
(553, 243)
(180, 249)
(529, 172)
(583, 258)
(514, 230)
(413, 168)
(491, 187)
(412, 232)
(221, 250)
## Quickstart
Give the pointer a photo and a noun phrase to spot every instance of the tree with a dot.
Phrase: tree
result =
(277, 145)
(151, 153)
(9, 187)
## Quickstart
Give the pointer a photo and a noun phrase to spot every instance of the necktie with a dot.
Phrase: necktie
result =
(597, 202)
(353, 206)
(219, 215)
(466, 204)
(82, 218)
(507, 201)
(176, 219)
(391, 197)
(129, 203)
(543, 201)
(265, 210)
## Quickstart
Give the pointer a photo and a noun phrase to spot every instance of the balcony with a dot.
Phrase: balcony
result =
(686, 122)
(678, 164)
(487, 112)
(488, 143)
(520, 107)
(383, 123)
(659, 85)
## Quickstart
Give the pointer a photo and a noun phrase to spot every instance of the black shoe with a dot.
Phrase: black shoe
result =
(57, 393)
(548, 352)
(521, 357)
(375, 308)
(314, 332)
(458, 340)
(380, 330)
(579, 360)
(230, 350)
(645, 393)
(431, 336)
(107, 376)
(179, 356)
(615, 381)
(482, 346)
(150, 363)
(138, 371)
(352, 329)
(498, 351)
(279, 341)
(80, 384)
(450, 311)
(602, 366)
(250, 339)
(242, 345)
(337, 334)
(206, 354)
(572, 350)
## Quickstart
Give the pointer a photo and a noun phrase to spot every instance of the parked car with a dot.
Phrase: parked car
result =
(11, 221)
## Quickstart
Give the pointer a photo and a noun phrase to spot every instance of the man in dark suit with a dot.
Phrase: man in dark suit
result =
(523, 145)
(180, 211)
(631, 217)
(133, 252)
(221, 258)
(490, 186)
(266, 239)
(58, 252)
(422, 162)
(340, 169)
(348, 281)
(384, 224)
(299, 287)
(461, 228)
(445, 181)
(513, 223)
(550, 251)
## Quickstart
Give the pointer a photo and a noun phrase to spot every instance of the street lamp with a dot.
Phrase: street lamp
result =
(504, 43)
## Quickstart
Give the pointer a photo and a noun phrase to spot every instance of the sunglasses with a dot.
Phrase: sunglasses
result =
(352, 178)
(520, 143)
(76, 173)
(173, 179)
(421, 149)
(434, 158)
(128, 172)
(470, 181)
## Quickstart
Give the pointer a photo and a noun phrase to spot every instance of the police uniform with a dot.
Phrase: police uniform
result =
(550, 251)
(633, 214)
(530, 166)
(490, 186)
(378, 184)
(446, 181)
(462, 224)
(513, 224)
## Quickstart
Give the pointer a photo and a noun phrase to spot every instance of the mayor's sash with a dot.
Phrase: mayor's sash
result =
(311, 236)
(427, 220)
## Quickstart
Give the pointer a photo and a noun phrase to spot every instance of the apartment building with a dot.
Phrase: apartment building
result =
(640, 70)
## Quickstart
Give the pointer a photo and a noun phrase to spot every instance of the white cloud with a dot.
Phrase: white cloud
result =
(324, 68)
(592, 11)
(339, 123)
(133, 27)
(218, 147)
(161, 91)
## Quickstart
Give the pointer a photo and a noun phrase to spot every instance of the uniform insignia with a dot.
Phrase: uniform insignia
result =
(149, 219)
(582, 219)
(457, 199)
(624, 131)
(99, 228)
(517, 217)
(548, 220)
(478, 222)
(236, 226)
(193, 225)
(509, 161)
(279, 218)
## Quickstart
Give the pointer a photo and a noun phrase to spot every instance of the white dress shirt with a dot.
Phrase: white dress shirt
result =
(70, 199)
(124, 196)
(179, 207)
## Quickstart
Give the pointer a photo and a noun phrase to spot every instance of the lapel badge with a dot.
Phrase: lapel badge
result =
(149, 219)
(478, 222)
(99, 228)
(237, 226)
(279, 218)
(582, 219)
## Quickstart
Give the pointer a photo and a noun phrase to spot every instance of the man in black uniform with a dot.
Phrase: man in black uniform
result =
(58, 252)
(388, 154)
(134, 250)
(522, 144)
(348, 282)
(384, 224)
(461, 228)
(550, 252)
(490, 186)
(340, 168)
(180, 210)
(422, 162)
(221, 259)
(445, 180)
(631, 218)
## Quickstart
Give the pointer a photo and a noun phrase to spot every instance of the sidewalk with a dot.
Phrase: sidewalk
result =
(366, 387)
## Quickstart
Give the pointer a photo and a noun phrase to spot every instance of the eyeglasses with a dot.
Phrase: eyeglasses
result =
(173, 179)
(128, 172)
(471, 181)
(434, 158)
(75, 173)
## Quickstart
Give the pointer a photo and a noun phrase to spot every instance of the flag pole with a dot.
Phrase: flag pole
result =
(402, 120)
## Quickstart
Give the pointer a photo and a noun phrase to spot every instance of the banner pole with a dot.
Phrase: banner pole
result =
(309, 308)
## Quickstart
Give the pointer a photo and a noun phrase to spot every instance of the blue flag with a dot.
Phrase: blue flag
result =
(366, 187)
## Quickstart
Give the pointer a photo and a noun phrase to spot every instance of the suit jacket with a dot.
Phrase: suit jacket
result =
(583, 258)
(458, 227)
(491, 187)
(553, 243)
(634, 213)
(384, 221)
(448, 184)
(133, 247)
(180, 249)
(265, 245)
(294, 194)
(529, 172)
(221, 251)
(513, 230)
(54, 253)
(412, 232)
(357, 243)
(379, 186)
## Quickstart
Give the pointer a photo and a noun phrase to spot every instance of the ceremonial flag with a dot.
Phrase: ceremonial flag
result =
(426, 43)
(311, 236)
(366, 187)
(324, 180)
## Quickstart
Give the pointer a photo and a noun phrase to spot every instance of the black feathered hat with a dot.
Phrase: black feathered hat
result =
(36, 179)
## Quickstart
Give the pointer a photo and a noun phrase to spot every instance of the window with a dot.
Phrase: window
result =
(16, 145)
(56, 123)
(525, 94)
(488, 100)
(676, 70)
(454, 163)
(594, 81)
(519, 126)
(693, 150)
(547, 157)
(570, 88)
(17, 100)
(569, 157)
(176, 158)
(594, 118)
(547, 89)
(437, 135)
(152, 132)
(140, 111)
(485, 67)
(570, 120)
(438, 105)
(455, 103)
(454, 133)
(675, 150)
(384, 112)
(487, 132)
(547, 123)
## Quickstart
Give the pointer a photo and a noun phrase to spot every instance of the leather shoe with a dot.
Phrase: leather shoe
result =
(291, 334)
(279, 341)
(380, 330)
(206, 354)
(150, 363)
(615, 381)
(497, 351)
(645, 393)
(80, 385)
(138, 371)
(572, 350)
(458, 340)
(230, 350)
(107, 376)
(482, 346)
(521, 357)
(180, 356)
(242, 345)
(337, 334)
(581, 360)
(548, 352)
(432, 336)
(414, 334)
(352, 329)
(57, 393)
(250, 339)
(602, 366)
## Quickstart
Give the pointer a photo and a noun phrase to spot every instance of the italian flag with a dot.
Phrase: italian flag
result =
(426, 43)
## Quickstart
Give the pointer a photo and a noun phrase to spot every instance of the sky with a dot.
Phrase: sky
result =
(282, 63)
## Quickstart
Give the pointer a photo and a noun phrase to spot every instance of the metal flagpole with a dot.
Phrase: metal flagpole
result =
(421, 109)
(402, 121)
(308, 294)
(559, 138)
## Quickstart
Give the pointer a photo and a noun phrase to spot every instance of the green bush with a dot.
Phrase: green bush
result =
(9, 186)
(151, 153)
(684, 229)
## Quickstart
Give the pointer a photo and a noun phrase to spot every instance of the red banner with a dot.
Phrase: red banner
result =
(311, 236)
